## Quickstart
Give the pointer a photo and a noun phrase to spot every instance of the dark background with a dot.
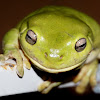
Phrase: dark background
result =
(12, 11)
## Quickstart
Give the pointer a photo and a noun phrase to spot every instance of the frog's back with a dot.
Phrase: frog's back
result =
(71, 13)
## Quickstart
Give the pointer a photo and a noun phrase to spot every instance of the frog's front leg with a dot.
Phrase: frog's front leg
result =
(12, 51)
(86, 75)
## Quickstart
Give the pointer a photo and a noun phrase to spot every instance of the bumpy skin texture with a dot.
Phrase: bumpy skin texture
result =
(58, 30)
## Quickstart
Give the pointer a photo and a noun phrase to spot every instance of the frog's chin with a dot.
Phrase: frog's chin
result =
(41, 67)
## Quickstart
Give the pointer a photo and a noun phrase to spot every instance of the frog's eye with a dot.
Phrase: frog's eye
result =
(31, 37)
(80, 45)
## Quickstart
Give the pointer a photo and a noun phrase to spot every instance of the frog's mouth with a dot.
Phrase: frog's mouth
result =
(51, 70)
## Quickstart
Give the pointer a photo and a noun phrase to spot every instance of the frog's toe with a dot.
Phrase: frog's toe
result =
(46, 86)
(43, 86)
(93, 81)
(20, 71)
(83, 84)
(19, 68)
(26, 62)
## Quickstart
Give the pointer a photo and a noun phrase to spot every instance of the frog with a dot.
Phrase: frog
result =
(55, 39)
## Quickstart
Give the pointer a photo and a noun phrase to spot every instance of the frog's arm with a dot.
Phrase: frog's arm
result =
(10, 39)
(11, 49)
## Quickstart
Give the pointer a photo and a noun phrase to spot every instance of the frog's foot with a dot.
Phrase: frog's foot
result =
(86, 75)
(46, 86)
(18, 56)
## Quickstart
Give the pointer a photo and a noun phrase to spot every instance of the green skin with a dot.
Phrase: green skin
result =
(57, 30)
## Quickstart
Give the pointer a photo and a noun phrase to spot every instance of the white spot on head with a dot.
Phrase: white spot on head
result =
(54, 53)
(54, 50)
(68, 43)
(42, 39)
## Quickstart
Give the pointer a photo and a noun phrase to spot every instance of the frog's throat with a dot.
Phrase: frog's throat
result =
(41, 67)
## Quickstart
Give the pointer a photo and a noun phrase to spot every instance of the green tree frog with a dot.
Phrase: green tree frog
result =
(55, 39)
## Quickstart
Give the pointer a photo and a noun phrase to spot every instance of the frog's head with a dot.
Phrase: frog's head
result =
(56, 43)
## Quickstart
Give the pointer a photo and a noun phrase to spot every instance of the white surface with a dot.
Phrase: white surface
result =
(11, 84)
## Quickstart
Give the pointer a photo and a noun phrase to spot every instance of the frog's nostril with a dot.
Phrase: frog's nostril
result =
(61, 56)
(46, 55)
